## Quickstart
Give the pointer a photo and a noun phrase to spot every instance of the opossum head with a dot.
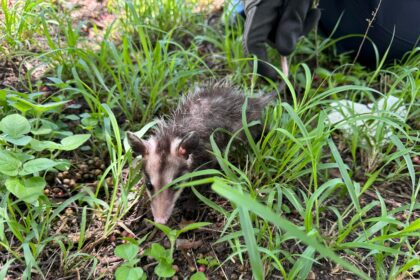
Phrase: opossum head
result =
(164, 160)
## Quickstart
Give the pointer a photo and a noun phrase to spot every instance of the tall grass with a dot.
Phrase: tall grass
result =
(303, 182)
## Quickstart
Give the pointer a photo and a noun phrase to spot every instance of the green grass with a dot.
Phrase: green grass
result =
(305, 197)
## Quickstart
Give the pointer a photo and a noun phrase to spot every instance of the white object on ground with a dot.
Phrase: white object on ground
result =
(346, 111)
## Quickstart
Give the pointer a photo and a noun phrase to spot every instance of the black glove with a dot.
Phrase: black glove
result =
(279, 23)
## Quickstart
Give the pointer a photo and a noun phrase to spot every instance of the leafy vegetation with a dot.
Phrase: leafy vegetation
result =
(311, 198)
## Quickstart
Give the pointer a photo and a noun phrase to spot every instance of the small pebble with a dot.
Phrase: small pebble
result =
(83, 167)
(191, 268)
(175, 267)
(311, 276)
(72, 183)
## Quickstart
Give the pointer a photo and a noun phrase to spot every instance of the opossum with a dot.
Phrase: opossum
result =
(181, 143)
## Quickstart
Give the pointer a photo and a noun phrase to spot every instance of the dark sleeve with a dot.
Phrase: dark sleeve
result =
(403, 15)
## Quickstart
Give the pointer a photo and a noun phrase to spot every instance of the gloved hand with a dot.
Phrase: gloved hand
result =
(279, 23)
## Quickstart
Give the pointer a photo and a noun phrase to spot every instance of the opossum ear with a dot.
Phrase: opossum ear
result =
(139, 146)
(188, 144)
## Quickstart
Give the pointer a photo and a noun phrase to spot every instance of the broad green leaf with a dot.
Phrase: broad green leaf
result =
(164, 269)
(73, 142)
(37, 165)
(67, 144)
(16, 103)
(44, 145)
(22, 156)
(127, 251)
(15, 125)
(158, 252)
(62, 164)
(42, 131)
(9, 164)
(20, 141)
(90, 121)
(28, 190)
(125, 272)
(198, 276)
(72, 117)
(25, 105)
(49, 124)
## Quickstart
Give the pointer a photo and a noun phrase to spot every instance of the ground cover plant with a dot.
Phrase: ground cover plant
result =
(311, 199)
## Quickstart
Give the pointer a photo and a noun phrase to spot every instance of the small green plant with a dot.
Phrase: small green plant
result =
(128, 270)
(20, 168)
(173, 234)
(198, 276)
(164, 258)
(208, 261)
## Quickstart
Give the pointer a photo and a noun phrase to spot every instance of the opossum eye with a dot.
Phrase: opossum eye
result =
(149, 186)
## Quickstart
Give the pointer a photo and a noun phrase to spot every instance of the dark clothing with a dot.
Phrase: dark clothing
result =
(403, 15)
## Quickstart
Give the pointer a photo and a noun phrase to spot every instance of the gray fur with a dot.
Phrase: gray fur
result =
(211, 108)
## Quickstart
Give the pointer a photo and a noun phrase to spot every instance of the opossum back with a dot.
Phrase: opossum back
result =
(213, 107)
(224, 102)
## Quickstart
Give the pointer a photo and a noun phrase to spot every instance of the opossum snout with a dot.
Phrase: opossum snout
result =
(163, 204)
(161, 220)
